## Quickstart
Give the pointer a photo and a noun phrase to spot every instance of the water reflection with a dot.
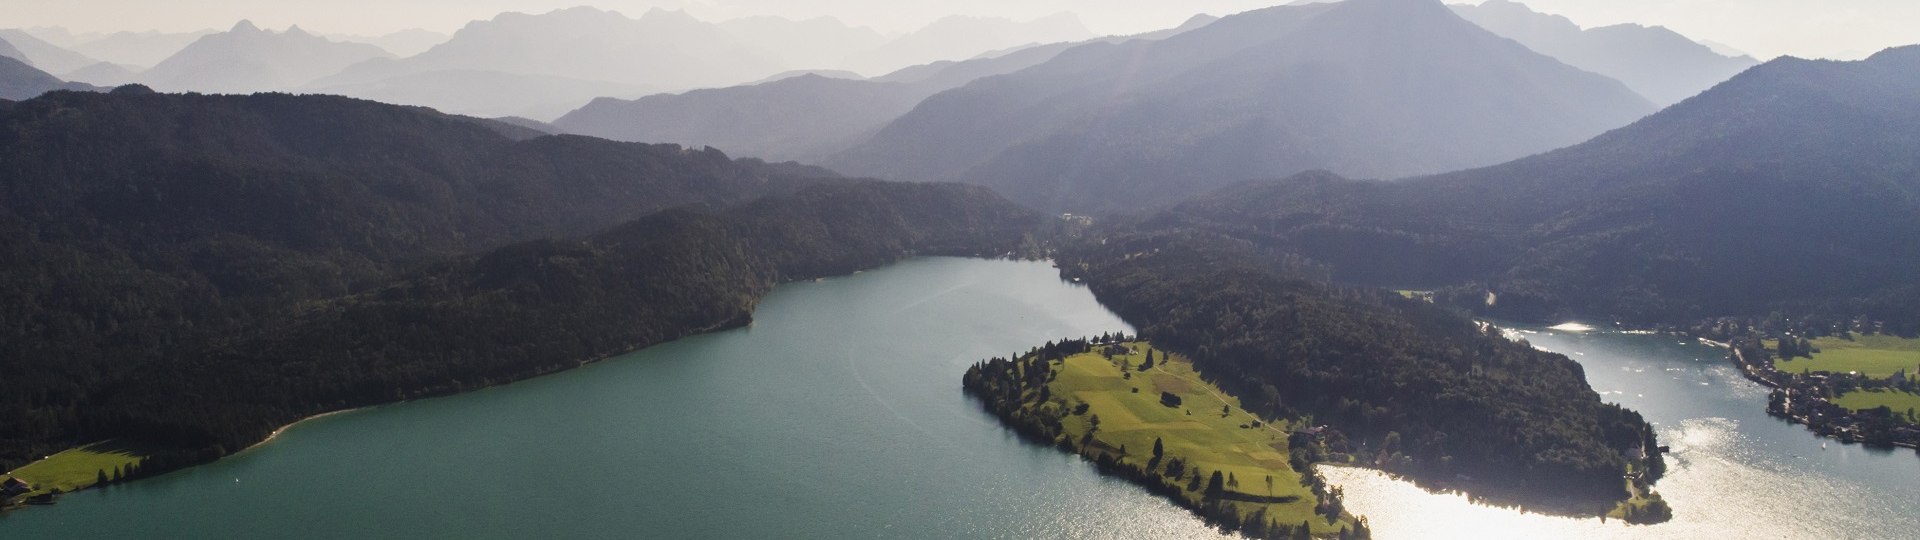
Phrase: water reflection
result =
(1734, 472)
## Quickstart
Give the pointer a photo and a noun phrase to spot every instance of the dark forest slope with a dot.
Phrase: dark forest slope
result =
(136, 226)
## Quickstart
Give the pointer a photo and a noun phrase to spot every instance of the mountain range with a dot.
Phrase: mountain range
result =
(808, 117)
(248, 59)
(799, 117)
(137, 50)
(1660, 64)
(43, 55)
(1790, 187)
(1374, 88)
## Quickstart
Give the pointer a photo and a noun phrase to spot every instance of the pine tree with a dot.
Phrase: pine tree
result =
(1159, 450)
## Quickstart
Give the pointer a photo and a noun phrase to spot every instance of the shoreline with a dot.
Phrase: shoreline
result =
(283, 429)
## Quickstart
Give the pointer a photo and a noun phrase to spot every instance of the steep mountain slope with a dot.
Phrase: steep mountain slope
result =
(806, 118)
(7, 50)
(43, 55)
(136, 225)
(21, 81)
(1363, 87)
(799, 117)
(247, 59)
(1793, 186)
(1660, 64)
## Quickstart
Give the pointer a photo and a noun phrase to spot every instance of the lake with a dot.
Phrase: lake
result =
(838, 414)
(1734, 472)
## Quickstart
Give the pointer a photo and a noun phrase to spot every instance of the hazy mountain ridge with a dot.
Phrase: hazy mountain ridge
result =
(43, 55)
(248, 59)
(1751, 197)
(20, 81)
(1658, 63)
(1364, 87)
(806, 118)
(140, 50)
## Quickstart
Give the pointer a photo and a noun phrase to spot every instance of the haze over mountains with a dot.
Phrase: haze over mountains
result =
(1661, 65)
(21, 81)
(1757, 195)
(956, 38)
(248, 59)
(139, 50)
(1372, 88)
(807, 118)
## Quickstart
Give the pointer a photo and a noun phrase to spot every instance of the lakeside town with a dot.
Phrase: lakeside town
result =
(1808, 397)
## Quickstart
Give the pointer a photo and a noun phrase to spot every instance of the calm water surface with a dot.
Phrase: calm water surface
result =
(1735, 472)
(838, 414)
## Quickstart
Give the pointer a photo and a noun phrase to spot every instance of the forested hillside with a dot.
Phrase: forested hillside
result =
(137, 226)
(537, 307)
(1793, 187)
(1412, 388)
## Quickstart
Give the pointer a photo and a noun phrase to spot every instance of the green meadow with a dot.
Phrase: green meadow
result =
(1876, 356)
(78, 468)
(1899, 402)
(1208, 431)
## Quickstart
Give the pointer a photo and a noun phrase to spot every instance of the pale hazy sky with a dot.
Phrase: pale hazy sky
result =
(1766, 28)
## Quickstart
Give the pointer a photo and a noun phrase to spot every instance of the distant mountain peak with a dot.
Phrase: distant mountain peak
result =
(244, 26)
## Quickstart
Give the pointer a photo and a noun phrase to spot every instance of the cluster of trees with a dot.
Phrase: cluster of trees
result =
(1017, 391)
(194, 271)
(1461, 405)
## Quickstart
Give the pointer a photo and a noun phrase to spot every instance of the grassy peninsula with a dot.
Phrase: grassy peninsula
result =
(1146, 415)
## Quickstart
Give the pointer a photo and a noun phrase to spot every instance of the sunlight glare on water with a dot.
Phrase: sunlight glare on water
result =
(1734, 473)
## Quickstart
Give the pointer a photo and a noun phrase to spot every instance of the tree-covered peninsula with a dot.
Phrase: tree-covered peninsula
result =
(1402, 385)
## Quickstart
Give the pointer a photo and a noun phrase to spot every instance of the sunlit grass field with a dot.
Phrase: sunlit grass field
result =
(1128, 404)
(78, 468)
(1876, 356)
